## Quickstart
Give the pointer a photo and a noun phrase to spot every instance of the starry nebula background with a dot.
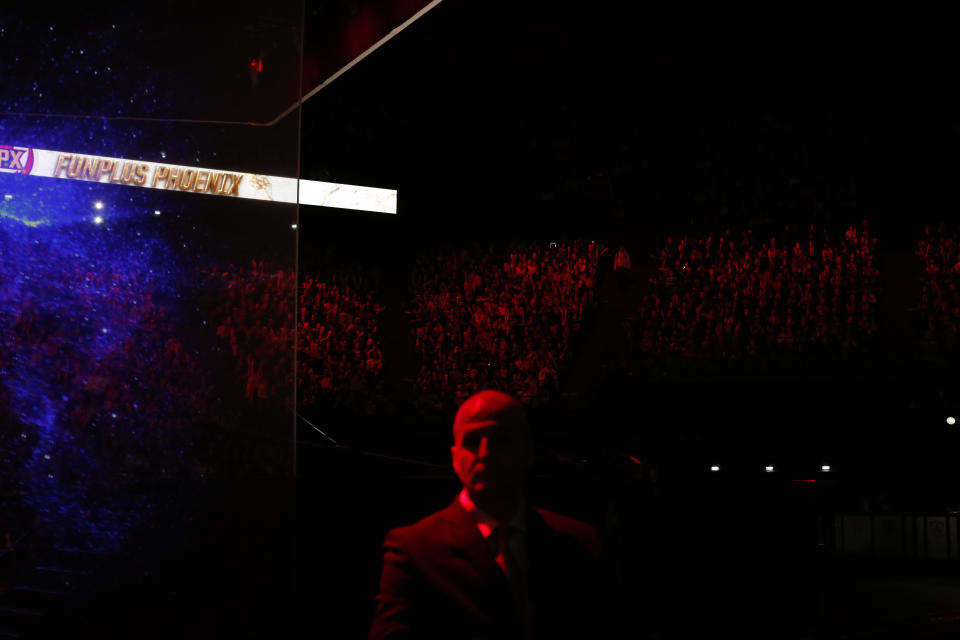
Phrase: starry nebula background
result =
(116, 387)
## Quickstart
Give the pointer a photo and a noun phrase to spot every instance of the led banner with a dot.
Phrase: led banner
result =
(155, 175)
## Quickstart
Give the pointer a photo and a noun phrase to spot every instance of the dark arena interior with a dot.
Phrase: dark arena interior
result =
(714, 257)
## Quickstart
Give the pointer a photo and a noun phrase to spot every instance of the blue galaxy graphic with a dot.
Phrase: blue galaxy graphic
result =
(113, 379)
(85, 305)
(113, 362)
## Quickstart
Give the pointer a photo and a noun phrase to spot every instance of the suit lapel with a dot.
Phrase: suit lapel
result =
(468, 544)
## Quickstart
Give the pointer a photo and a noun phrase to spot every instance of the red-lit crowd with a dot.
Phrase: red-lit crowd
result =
(484, 317)
(340, 360)
(730, 296)
(254, 311)
(939, 306)
(339, 356)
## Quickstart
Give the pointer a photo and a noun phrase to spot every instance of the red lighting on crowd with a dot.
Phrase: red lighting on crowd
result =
(730, 296)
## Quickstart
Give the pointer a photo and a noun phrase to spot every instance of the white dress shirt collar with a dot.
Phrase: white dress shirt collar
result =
(486, 523)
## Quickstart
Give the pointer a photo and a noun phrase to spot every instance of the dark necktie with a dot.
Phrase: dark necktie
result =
(509, 564)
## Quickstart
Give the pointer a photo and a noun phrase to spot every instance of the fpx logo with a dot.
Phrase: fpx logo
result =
(15, 159)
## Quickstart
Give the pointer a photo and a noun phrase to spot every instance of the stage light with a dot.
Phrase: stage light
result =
(714, 468)
(951, 420)
(156, 212)
(7, 196)
(98, 220)
(769, 468)
(98, 205)
(825, 467)
(293, 226)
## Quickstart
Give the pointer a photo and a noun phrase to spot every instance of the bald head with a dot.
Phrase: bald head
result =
(492, 446)
(487, 407)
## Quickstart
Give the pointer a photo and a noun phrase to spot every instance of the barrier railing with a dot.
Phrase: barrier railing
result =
(897, 536)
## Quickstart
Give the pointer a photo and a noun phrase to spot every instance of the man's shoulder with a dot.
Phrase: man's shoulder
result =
(565, 524)
(582, 532)
(425, 527)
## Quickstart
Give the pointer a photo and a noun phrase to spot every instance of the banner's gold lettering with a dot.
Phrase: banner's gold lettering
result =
(160, 174)
(73, 169)
(141, 173)
(62, 161)
(90, 170)
(106, 167)
(187, 179)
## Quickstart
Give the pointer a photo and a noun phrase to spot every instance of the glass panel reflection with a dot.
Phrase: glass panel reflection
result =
(147, 334)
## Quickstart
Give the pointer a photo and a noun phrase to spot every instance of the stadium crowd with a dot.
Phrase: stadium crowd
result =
(340, 356)
(939, 307)
(253, 308)
(728, 296)
(489, 318)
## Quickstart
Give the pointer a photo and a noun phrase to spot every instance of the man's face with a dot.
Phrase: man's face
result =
(491, 452)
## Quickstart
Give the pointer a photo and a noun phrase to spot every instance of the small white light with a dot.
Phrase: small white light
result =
(714, 468)
(46, 456)
(293, 226)
(163, 154)
(7, 196)
(156, 212)
(104, 330)
(769, 468)
(951, 420)
(98, 205)
(825, 467)
(98, 220)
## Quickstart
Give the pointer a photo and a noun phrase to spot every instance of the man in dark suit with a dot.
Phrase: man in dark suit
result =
(489, 566)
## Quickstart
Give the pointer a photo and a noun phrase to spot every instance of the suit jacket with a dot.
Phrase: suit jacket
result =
(440, 580)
